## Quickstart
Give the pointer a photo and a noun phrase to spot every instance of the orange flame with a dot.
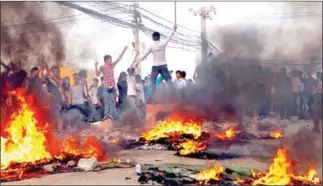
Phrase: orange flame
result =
(170, 128)
(26, 139)
(213, 173)
(281, 172)
(229, 134)
(191, 147)
(115, 140)
(276, 134)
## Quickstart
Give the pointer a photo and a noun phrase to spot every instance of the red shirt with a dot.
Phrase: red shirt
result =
(108, 75)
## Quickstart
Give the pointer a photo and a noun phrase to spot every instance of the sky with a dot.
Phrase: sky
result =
(101, 38)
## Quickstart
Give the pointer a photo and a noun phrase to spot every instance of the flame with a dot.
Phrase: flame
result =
(281, 172)
(213, 173)
(115, 140)
(28, 139)
(229, 134)
(174, 127)
(191, 147)
(276, 134)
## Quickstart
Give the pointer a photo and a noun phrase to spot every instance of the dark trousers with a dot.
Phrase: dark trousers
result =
(82, 108)
(310, 102)
(317, 111)
(294, 105)
(163, 70)
(96, 112)
(264, 106)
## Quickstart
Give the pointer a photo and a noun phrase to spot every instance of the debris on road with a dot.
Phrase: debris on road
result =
(87, 164)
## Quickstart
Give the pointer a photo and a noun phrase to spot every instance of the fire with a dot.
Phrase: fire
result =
(213, 173)
(229, 134)
(115, 140)
(26, 138)
(191, 147)
(276, 134)
(175, 127)
(281, 172)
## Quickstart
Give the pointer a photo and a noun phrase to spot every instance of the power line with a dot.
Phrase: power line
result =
(122, 23)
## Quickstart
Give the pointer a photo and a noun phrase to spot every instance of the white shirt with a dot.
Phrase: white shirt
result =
(77, 95)
(180, 83)
(94, 95)
(131, 81)
(158, 50)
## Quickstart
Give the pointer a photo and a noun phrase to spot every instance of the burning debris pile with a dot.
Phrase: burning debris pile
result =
(27, 142)
(188, 138)
(185, 136)
(280, 173)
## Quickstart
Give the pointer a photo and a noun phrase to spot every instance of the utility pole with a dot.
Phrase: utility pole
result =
(137, 21)
(204, 13)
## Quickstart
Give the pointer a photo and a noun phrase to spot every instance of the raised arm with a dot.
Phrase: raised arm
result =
(164, 43)
(145, 55)
(134, 60)
(120, 56)
(6, 67)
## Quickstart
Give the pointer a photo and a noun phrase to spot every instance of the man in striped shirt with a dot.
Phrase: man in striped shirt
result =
(109, 89)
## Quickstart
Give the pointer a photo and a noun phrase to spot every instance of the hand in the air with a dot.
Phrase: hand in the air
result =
(136, 64)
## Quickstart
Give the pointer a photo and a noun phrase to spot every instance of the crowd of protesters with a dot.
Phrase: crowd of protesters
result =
(261, 91)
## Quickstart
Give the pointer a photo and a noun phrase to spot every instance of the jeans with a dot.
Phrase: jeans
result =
(163, 70)
(294, 104)
(82, 108)
(264, 106)
(310, 102)
(96, 112)
(109, 102)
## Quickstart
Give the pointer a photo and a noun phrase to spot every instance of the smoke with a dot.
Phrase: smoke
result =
(26, 35)
(226, 84)
(297, 35)
(303, 153)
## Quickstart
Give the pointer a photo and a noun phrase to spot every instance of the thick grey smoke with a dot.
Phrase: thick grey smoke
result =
(228, 86)
(296, 36)
(28, 35)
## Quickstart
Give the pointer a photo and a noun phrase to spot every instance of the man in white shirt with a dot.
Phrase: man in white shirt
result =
(95, 109)
(179, 83)
(131, 93)
(159, 65)
(78, 97)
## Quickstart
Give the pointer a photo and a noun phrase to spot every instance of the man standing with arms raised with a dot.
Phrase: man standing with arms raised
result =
(159, 65)
(109, 89)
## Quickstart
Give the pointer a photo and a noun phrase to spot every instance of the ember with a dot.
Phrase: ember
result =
(229, 134)
(28, 140)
